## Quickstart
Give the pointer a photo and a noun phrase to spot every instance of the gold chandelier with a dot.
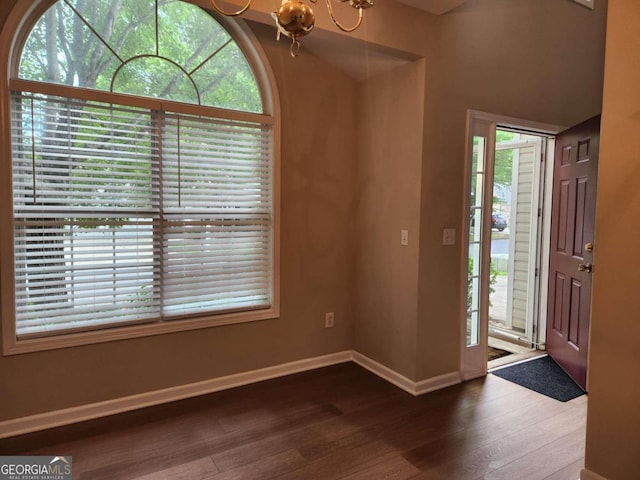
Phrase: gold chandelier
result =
(294, 19)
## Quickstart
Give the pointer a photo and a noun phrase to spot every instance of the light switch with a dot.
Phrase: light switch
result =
(449, 236)
(404, 237)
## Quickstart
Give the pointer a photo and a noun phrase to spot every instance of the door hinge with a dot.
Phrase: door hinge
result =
(537, 272)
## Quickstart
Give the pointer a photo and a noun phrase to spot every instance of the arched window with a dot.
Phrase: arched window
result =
(142, 171)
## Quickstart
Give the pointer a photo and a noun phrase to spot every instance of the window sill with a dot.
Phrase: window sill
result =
(13, 346)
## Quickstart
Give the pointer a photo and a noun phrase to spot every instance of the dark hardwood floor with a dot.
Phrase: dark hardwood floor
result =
(339, 422)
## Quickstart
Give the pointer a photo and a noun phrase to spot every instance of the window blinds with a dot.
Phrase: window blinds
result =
(126, 215)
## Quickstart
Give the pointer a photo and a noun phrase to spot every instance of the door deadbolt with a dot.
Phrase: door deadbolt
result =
(588, 247)
(585, 267)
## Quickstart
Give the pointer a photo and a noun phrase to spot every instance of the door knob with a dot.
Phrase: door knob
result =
(585, 268)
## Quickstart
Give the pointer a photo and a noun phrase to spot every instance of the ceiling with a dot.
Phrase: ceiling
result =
(360, 61)
(437, 7)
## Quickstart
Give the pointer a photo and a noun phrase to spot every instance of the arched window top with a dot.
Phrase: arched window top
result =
(165, 49)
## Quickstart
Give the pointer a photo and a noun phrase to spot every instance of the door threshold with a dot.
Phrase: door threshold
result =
(509, 336)
(513, 359)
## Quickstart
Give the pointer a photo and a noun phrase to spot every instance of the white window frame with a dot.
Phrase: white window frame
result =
(13, 35)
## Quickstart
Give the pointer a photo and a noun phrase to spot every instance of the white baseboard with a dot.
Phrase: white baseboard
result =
(67, 416)
(386, 373)
(436, 383)
(406, 384)
(589, 475)
(474, 374)
(81, 413)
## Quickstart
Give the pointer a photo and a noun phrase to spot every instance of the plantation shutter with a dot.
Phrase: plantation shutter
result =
(125, 215)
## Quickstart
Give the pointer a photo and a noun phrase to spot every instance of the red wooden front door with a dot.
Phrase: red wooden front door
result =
(571, 260)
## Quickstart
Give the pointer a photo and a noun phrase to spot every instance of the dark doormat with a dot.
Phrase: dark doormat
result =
(544, 376)
(495, 353)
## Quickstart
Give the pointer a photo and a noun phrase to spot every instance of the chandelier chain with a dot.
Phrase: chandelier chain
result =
(230, 14)
(338, 24)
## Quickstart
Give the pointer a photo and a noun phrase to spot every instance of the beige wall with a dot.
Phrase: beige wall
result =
(390, 127)
(318, 177)
(539, 60)
(613, 417)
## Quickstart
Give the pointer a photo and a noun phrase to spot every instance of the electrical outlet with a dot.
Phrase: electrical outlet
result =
(328, 320)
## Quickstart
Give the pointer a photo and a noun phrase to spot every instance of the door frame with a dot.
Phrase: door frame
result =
(473, 358)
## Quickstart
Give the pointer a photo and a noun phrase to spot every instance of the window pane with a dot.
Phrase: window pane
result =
(127, 26)
(216, 165)
(62, 49)
(80, 273)
(477, 160)
(217, 203)
(155, 77)
(473, 334)
(216, 265)
(178, 52)
(81, 156)
(227, 81)
(205, 35)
